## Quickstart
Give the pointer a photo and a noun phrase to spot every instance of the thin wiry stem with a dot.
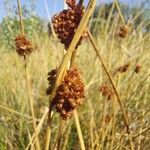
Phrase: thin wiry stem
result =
(38, 128)
(113, 85)
(75, 113)
(61, 127)
(65, 61)
(49, 18)
(15, 112)
(20, 17)
(79, 129)
(120, 13)
(31, 103)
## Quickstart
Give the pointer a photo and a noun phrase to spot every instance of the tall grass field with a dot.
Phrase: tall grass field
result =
(113, 61)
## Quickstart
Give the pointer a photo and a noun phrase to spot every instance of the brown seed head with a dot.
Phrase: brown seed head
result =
(69, 94)
(66, 23)
(123, 68)
(106, 91)
(23, 45)
(137, 68)
(123, 31)
(51, 79)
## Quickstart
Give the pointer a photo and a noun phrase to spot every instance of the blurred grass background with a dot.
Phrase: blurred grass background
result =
(101, 120)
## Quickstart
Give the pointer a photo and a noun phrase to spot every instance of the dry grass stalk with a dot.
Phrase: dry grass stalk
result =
(38, 129)
(113, 85)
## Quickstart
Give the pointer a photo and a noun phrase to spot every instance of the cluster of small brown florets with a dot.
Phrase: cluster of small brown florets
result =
(137, 68)
(51, 81)
(123, 68)
(123, 32)
(69, 94)
(66, 23)
(23, 45)
(106, 91)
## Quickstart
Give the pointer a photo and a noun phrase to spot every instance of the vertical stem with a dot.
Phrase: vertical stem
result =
(20, 17)
(113, 85)
(61, 127)
(49, 18)
(48, 129)
(75, 113)
(31, 103)
(119, 10)
(79, 129)
(65, 5)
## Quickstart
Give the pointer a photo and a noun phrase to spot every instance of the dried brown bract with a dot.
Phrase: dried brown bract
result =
(123, 31)
(69, 94)
(106, 91)
(123, 68)
(23, 45)
(51, 79)
(66, 23)
(137, 68)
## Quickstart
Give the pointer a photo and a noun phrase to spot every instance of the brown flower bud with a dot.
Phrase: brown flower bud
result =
(69, 94)
(51, 78)
(106, 91)
(23, 45)
(123, 31)
(123, 68)
(66, 23)
(137, 68)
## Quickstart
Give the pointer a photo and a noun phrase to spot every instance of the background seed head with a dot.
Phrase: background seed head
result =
(23, 45)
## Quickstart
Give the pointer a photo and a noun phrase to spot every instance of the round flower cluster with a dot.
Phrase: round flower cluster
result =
(69, 94)
(106, 91)
(66, 23)
(23, 45)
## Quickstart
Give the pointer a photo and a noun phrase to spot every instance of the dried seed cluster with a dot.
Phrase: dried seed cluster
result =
(123, 68)
(137, 68)
(66, 23)
(123, 31)
(106, 91)
(51, 79)
(69, 94)
(23, 45)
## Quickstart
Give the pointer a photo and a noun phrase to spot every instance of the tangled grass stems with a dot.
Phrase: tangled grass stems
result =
(38, 128)
(63, 66)
(15, 112)
(126, 122)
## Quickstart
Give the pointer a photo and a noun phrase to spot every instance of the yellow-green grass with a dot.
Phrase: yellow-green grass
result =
(134, 88)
